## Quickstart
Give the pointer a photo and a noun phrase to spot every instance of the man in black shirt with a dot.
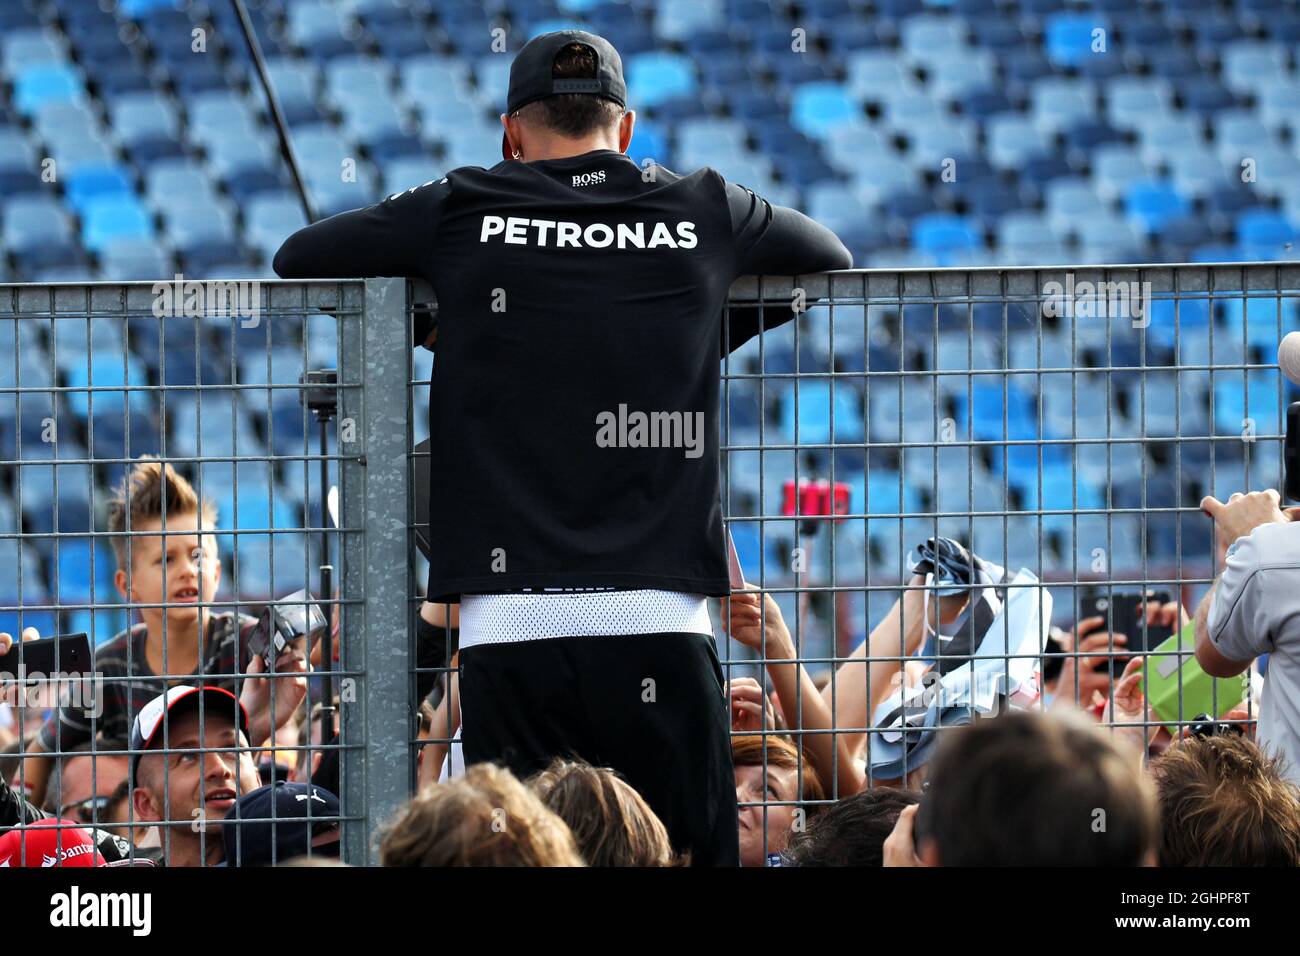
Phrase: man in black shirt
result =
(574, 500)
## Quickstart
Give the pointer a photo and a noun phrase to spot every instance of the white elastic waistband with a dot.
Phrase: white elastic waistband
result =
(503, 618)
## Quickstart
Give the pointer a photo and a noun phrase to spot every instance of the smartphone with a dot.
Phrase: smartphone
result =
(1124, 613)
(63, 654)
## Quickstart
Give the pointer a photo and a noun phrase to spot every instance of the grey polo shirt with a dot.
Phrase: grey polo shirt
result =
(1256, 610)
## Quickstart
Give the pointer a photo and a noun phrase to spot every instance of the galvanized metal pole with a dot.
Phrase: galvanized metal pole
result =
(376, 722)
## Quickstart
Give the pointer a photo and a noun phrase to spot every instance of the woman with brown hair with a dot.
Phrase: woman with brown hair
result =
(773, 782)
(611, 823)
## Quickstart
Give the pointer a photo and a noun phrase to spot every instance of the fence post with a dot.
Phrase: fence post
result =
(374, 350)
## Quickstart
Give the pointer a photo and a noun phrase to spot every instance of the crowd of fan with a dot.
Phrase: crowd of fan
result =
(161, 771)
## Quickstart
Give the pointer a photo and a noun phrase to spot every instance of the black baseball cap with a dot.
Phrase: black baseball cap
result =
(149, 722)
(290, 819)
(532, 79)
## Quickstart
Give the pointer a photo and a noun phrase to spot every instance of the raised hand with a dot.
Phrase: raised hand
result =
(751, 709)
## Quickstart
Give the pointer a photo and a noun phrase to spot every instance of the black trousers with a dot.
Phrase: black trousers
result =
(649, 706)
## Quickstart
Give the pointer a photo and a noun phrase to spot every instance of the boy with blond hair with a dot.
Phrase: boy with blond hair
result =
(168, 568)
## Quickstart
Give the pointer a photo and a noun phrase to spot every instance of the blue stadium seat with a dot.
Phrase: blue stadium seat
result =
(1069, 38)
(814, 424)
(168, 178)
(1114, 167)
(817, 108)
(1152, 203)
(927, 37)
(35, 86)
(74, 338)
(1197, 171)
(1206, 96)
(951, 78)
(296, 83)
(106, 370)
(125, 259)
(146, 125)
(237, 157)
(1248, 67)
(32, 221)
(95, 182)
(65, 509)
(870, 71)
(286, 365)
(1058, 104)
(18, 167)
(112, 217)
(84, 572)
(218, 114)
(1020, 233)
(1275, 168)
(135, 9)
(904, 107)
(653, 78)
(254, 509)
(1234, 402)
(1012, 138)
(1265, 231)
(189, 226)
(25, 48)
(941, 234)
(1276, 105)
(271, 219)
(476, 143)
(1132, 101)
(319, 31)
(931, 144)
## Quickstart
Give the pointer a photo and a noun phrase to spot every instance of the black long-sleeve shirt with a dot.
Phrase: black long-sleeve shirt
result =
(574, 403)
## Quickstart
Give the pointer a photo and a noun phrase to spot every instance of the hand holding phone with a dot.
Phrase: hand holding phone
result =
(63, 654)
(1134, 615)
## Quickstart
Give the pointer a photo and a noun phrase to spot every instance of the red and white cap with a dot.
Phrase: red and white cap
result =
(148, 726)
(47, 843)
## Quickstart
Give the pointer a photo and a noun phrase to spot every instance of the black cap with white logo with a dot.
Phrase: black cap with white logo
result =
(279, 822)
(532, 79)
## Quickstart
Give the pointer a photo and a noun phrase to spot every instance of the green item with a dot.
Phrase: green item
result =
(1171, 670)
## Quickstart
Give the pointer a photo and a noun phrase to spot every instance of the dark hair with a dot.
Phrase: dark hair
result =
(572, 114)
(1224, 802)
(852, 831)
(1036, 790)
(88, 748)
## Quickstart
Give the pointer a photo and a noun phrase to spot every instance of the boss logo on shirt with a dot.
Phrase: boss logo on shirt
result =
(517, 231)
(589, 179)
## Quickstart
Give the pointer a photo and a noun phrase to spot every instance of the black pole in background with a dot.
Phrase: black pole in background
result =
(277, 116)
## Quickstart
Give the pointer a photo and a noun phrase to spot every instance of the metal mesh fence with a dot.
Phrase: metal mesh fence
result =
(203, 378)
(1061, 425)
